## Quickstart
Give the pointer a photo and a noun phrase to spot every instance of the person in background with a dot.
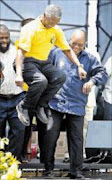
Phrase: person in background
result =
(107, 92)
(91, 104)
(69, 104)
(10, 96)
(89, 110)
(44, 80)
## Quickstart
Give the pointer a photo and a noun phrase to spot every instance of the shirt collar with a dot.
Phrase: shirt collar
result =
(38, 20)
(82, 53)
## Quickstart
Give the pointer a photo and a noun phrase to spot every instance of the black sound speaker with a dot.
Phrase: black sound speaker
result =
(99, 139)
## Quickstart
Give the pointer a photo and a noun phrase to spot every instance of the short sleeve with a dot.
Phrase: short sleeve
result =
(26, 37)
(61, 41)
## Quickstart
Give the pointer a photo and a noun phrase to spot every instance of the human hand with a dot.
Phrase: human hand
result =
(19, 81)
(87, 87)
(82, 73)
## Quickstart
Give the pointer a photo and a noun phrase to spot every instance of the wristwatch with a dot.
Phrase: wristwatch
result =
(81, 65)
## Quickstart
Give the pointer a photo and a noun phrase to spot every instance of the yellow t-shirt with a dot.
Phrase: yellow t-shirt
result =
(25, 87)
(38, 41)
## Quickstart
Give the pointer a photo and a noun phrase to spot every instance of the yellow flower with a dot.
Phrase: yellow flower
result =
(1, 167)
(8, 164)
(5, 165)
(1, 154)
(2, 144)
(19, 173)
(4, 177)
(10, 177)
(3, 159)
(3, 141)
(14, 172)
(8, 154)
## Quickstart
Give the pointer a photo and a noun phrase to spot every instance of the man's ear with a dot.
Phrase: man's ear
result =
(85, 45)
(44, 15)
(70, 42)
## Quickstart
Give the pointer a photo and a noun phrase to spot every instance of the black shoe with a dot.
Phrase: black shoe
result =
(23, 114)
(77, 175)
(49, 175)
(66, 160)
(23, 159)
(48, 112)
(50, 119)
(41, 115)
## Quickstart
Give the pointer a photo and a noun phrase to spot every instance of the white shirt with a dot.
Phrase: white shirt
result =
(107, 92)
(9, 86)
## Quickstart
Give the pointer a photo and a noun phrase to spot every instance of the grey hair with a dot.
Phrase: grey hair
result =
(53, 10)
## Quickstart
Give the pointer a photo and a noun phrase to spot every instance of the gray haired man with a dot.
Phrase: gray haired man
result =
(44, 80)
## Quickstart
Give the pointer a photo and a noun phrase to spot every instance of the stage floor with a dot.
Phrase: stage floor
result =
(35, 170)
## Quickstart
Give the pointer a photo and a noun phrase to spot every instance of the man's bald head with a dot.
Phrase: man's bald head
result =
(4, 28)
(77, 41)
(79, 34)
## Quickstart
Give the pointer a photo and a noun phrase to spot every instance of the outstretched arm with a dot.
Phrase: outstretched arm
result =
(19, 62)
(73, 58)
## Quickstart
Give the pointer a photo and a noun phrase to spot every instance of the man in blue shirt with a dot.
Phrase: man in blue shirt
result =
(69, 104)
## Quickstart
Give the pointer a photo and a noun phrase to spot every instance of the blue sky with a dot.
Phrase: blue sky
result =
(74, 11)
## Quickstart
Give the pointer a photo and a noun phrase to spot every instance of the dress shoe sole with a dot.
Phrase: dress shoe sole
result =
(21, 117)
(43, 121)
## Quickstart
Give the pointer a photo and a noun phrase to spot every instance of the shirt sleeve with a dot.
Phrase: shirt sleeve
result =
(26, 37)
(61, 41)
(97, 72)
(108, 66)
(16, 44)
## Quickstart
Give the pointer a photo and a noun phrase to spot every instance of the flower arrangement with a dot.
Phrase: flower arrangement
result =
(8, 163)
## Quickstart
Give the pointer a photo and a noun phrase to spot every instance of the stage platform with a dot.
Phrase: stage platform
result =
(35, 170)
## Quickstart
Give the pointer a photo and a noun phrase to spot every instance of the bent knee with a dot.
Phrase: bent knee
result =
(40, 82)
(43, 82)
(61, 77)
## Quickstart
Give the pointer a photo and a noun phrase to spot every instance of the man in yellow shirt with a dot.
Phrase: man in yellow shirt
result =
(44, 80)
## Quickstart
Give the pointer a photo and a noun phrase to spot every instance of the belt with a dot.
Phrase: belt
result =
(8, 96)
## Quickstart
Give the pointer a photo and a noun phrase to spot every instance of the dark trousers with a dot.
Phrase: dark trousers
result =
(9, 114)
(107, 111)
(43, 79)
(27, 136)
(74, 126)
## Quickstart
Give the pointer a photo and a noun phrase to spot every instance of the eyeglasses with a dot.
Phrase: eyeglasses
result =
(77, 44)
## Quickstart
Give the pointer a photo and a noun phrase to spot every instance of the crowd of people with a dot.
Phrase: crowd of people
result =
(59, 77)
